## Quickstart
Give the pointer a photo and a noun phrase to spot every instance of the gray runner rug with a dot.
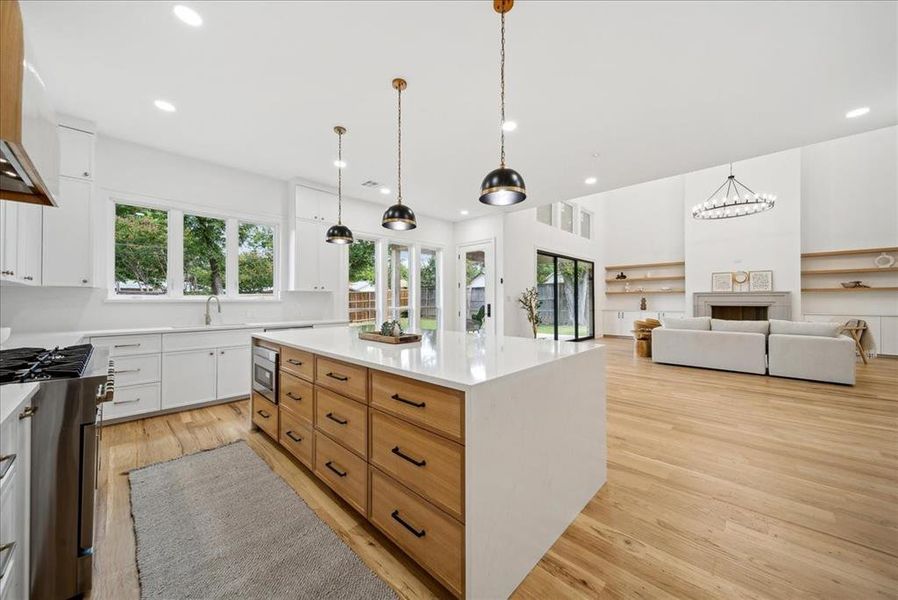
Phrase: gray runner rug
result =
(222, 524)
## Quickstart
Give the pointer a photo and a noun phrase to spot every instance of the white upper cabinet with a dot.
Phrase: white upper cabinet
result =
(315, 205)
(20, 246)
(317, 263)
(9, 217)
(76, 153)
(67, 239)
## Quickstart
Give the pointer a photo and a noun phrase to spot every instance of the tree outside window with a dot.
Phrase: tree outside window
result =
(255, 259)
(205, 248)
(141, 250)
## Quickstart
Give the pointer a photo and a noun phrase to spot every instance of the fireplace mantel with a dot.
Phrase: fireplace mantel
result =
(779, 304)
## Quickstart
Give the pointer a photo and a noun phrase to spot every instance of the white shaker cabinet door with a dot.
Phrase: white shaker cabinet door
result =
(9, 244)
(67, 251)
(29, 243)
(308, 241)
(329, 258)
(234, 372)
(188, 377)
(76, 153)
(888, 332)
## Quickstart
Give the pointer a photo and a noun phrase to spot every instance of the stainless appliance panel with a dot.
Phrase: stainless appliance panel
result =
(265, 365)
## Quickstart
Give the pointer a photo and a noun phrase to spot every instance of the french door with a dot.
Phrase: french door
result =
(476, 277)
(566, 288)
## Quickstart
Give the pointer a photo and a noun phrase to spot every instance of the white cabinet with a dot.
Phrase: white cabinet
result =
(677, 314)
(20, 225)
(234, 371)
(188, 377)
(66, 236)
(317, 263)
(9, 251)
(620, 322)
(315, 205)
(15, 493)
(888, 336)
(76, 153)
(132, 400)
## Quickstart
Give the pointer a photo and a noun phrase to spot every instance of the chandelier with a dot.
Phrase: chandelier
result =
(743, 201)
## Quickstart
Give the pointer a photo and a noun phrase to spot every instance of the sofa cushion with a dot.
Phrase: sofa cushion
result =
(696, 323)
(743, 326)
(804, 328)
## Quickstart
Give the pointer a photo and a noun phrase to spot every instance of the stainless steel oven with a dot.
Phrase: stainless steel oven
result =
(265, 372)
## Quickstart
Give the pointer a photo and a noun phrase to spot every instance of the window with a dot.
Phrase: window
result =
(255, 259)
(585, 224)
(205, 248)
(429, 276)
(567, 217)
(141, 250)
(566, 289)
(397, 283)
(362, 284)
(544, 213)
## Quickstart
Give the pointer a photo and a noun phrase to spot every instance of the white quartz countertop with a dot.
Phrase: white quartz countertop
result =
(449, 358)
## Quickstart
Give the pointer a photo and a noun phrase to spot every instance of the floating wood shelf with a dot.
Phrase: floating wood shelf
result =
(842, 289)
(850, 271)
(645, 266)
(849, 252)
(643, 292)
(652, 278)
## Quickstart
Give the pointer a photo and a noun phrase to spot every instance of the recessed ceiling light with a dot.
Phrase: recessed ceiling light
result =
(3, 160)
(509, 126)
(464, 212)
(11, 174)
(188, 15)
(164, 105)
(590, 180)
(857, 112)
(384, 190)
(340, 164)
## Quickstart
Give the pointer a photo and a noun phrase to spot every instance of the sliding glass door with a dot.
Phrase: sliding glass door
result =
(566, 288)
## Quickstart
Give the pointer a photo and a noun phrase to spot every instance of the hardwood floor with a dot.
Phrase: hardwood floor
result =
(720, 485)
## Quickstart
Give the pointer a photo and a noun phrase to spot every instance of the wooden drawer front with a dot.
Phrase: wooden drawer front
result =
(423, 461)
(343, 419)
(133, 400)
(296, 395)
(343, 471)
(349, 380)
(133, 370)
(427, 534)
(434, 407)
(265, 415)
(124, 345)
(296, 436)
(298, 362)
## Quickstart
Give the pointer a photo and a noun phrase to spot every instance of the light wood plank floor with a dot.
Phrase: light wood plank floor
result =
(720, 485)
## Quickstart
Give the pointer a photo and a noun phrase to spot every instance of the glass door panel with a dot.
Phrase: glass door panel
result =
(397, 284)
(565, 300)
(566, 289)
(585, 300)
(545, 286)
(475, 289)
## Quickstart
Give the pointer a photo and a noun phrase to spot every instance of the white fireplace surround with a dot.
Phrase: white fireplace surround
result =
(779, 304)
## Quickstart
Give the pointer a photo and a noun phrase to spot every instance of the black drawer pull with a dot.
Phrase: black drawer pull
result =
(338, 377)
(294, 397)
(293, 436)
(336, 419)
(399, 398)
(399, 453)
(264, 414)
(293, 361)
(420, 534)
(330, 465)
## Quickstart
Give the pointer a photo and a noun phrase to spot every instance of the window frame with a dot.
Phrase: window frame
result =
(589, 215)
(555, 256)
(438, 292)
(377, 279)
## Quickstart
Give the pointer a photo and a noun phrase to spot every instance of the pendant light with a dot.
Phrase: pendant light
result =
(339, 233)
(726, 207)
(399, 216)
(502, 186)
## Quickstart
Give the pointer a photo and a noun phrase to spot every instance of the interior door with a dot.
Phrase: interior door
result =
(476, 277)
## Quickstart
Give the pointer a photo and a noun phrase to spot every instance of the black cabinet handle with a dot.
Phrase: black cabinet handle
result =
(336, 419)
(264, 414)
(293, 436)
(400, 454)
(399, 398)
(338, 377)
(420, 534)
(294, 397)
(330, 465)
(293, 361)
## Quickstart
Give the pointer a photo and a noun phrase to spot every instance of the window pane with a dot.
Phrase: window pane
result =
(545, 285)
(362, 277)
(141, 250)
(430, 297)
(544, 214)
(255, 260)
(204, 256)
(585, 224)
(585, 303)
(397, 283)
(565, 299)
(567, 217)
(475, 290)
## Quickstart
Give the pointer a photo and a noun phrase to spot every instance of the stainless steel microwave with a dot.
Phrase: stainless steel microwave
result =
(265, 371)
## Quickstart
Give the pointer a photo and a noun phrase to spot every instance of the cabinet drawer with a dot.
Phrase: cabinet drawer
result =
(296, 395)
(431, 406)
(132, 400)
(429, 535)
(425, 462)
(124, 345)
(349, 380)
(343, 471)
(296, 436)
(298, 362)
(199, 340)
(343, 419)
(265, 415)
(133, 370)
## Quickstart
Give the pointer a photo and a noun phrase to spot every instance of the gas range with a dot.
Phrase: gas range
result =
(24, 365)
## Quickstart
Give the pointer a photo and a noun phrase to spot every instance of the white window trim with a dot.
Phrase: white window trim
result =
(592, 221)
(438, 257)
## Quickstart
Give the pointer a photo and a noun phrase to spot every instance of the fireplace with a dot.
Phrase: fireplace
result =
(739, 313)
(754, 306)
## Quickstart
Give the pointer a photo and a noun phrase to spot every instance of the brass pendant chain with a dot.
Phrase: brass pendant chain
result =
(502, 93)
(340, 179)
(399, 157)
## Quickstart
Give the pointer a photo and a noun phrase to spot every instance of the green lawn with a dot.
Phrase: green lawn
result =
(549, 329)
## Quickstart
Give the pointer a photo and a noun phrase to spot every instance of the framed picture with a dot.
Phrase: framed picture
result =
(760, 281)
(722, 282)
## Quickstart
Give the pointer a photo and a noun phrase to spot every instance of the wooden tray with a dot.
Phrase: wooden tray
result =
(405, 338)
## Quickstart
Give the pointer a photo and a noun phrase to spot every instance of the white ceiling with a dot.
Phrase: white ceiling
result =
(656, 88)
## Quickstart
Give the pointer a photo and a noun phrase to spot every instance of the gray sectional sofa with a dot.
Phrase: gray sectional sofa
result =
(799, 350)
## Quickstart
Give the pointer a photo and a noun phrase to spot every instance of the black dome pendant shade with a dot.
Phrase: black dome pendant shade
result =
(339, 233)
(502, 186)
(399, 217)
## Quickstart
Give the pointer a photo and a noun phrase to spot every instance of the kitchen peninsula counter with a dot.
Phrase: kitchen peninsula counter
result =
(473, 453)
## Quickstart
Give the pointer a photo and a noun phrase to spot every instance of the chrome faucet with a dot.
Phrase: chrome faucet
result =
(208, 315)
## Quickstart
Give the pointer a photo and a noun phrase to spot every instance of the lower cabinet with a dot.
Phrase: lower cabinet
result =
(888, 336)
(133, 400)
(232, 377)
(188, 377)
(620, 322)
(15, 494)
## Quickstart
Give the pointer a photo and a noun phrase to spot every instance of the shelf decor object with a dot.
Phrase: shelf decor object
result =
(722, 282)
(725, 206)
(760, 281)
(339, 233)
(399, 216)
(884, 261)
(503, 186)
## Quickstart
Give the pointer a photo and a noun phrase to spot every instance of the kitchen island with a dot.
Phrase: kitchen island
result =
(472, 453)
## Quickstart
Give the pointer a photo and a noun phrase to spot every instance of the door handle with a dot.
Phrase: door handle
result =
(420, 534)
(489, 310)
(331, 416)
(127, 371)
(28, 412)
(401, 454)
(330, 465)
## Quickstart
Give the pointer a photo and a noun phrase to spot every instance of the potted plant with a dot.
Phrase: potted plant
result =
(530, 302)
